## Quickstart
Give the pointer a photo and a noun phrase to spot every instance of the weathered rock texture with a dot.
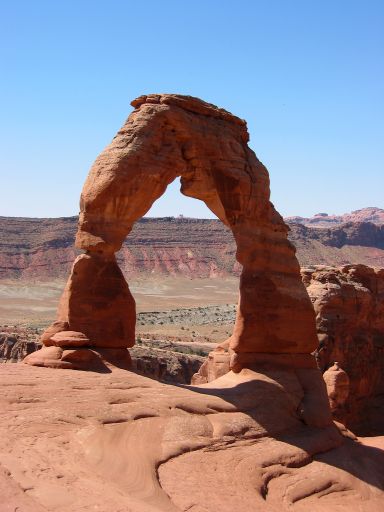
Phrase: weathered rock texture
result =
(168, 136)
(263, 433)
(337, 382)
(83, 441)
(349, 306)
(216, 365)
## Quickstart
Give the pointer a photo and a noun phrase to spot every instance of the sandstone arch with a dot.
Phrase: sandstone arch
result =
(164, 137)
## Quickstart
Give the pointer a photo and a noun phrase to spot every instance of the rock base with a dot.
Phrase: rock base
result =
(221, 360)
(90, 358)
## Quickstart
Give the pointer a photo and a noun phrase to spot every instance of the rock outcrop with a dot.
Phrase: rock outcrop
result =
(165, 365)
(168, 136)
(215, 365)
(337, 382)
(14, 347)
(349, 306)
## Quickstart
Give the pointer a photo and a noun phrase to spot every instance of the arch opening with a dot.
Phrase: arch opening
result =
(187, 289)
(175, 204)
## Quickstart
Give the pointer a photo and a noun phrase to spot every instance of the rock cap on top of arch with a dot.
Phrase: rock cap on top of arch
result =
(189, 103)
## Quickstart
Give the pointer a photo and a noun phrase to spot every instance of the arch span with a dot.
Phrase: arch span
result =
(164, 137)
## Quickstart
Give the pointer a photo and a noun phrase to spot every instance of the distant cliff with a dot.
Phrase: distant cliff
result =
(322, 220)
(43, 249)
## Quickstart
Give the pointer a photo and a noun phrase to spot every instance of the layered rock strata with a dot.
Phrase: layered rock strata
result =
(168, 136)
(43, 249)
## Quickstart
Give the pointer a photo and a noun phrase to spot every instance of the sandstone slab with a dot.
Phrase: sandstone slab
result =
(84, 441)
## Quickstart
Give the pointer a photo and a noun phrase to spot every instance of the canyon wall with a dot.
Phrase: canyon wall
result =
(43, 249)
(349, 306)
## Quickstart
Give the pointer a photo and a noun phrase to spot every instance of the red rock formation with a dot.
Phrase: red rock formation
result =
(349, 306)
(96, 310)
(337, 382)
(168, 136)
(216, 365)
(121, 442)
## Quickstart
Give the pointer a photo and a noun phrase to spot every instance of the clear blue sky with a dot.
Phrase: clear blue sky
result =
(307, 76)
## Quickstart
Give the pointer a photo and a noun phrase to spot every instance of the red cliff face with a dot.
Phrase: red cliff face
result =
(349, 306)
(43, 249)
(179, 247)
(36, 249)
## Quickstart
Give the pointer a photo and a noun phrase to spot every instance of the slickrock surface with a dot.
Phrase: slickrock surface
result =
(43, 249)
(83, 441)
(349, 304)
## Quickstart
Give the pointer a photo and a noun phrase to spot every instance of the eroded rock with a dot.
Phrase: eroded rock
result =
(337, 382)
(164, 137)
(119, 441)
(349, 306)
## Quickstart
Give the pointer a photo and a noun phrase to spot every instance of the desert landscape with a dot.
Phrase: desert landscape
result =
(182, 272)
(190, 364)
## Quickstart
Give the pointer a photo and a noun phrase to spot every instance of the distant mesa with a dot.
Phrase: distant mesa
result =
(44, 249)
(371, 214)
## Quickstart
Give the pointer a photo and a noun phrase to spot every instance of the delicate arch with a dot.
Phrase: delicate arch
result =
(164, 137)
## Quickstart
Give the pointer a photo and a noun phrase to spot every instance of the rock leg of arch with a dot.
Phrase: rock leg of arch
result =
(168, 136)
